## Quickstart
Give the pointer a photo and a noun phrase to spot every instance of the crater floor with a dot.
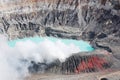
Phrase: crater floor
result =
(110, 75)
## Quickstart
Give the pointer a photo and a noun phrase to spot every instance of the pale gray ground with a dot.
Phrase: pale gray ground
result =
(115, 75)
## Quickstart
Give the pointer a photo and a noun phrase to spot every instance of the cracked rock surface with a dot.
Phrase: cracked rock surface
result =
(96, 21)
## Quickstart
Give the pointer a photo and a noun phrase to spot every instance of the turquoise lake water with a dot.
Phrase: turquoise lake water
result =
(83, 46)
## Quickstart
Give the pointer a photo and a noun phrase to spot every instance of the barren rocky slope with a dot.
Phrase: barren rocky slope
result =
(96, 21)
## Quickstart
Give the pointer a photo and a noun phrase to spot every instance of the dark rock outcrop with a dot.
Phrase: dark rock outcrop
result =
(96, 21)
(79, 63)
(90, 20)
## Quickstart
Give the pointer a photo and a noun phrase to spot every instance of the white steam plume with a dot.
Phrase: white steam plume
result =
(14, 62)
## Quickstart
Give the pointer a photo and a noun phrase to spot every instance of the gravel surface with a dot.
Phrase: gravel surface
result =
(114, 75)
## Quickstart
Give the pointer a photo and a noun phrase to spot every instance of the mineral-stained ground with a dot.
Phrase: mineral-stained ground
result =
(95, 21)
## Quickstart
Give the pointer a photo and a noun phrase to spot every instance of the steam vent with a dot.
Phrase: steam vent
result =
(60, 39)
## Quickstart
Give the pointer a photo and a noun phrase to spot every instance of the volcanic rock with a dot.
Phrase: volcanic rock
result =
(85, 62)
(96, 21)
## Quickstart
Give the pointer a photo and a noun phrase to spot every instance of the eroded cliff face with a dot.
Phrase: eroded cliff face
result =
(97, 21)
(61, 18)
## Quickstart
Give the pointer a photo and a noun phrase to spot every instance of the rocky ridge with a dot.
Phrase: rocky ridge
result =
(86, 62)
(96, 21)
(61, 16)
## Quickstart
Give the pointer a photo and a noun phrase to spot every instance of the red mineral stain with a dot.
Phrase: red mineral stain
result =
(92, 63)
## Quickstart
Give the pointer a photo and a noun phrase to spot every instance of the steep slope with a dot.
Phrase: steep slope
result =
(96, 21)
(65, 18)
